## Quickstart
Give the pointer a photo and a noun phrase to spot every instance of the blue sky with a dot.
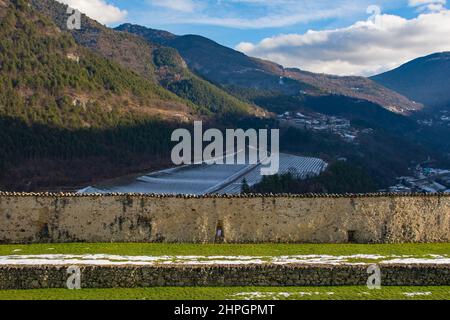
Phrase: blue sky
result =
(230, 22)
(340, 37)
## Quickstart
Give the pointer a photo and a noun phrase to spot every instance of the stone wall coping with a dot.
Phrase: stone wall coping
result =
(214, 196)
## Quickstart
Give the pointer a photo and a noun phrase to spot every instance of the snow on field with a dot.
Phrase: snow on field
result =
(104, 259)
(277, 295)
(415, 294)
(417, 261)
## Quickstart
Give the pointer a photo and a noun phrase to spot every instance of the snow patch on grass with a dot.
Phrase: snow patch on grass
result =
(278, 295)
(436, 260)
(416, 294)
(105, 259)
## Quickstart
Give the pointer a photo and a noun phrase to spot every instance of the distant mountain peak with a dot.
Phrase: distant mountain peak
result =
(443, 54)
(424, 79)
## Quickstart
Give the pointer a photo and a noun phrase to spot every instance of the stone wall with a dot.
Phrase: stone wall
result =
(37, 218)
(37, 277)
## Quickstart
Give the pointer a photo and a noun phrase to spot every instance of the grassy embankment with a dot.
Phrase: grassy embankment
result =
(235, 293)
(147, 249)
(208, 293)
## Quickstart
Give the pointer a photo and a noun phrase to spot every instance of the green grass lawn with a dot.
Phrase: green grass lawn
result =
(146, 249)
(235, 293)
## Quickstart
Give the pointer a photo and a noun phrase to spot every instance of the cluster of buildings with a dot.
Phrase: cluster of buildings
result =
(427, 180)
(321, 122)
(440, 119)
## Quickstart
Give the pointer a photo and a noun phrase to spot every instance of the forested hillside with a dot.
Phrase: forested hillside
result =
(81, 107)
(68, 115)
(47, 78)
(173, 73)
(149, 60)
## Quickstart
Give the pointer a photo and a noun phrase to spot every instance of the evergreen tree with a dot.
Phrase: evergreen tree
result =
(245, 187)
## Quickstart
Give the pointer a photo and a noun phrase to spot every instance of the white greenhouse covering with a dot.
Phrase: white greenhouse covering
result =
(206, 179)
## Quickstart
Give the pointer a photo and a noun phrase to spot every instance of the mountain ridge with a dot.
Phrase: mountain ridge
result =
(226, 66)
(423, 79)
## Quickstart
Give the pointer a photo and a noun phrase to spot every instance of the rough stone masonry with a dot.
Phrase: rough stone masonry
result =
(37, 277)
(378, 218)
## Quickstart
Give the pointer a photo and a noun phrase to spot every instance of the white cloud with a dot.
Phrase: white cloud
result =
(270, 21)
(365, 48)
(252, 14)
(428, 5)
(98, 9)
(177, 5)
